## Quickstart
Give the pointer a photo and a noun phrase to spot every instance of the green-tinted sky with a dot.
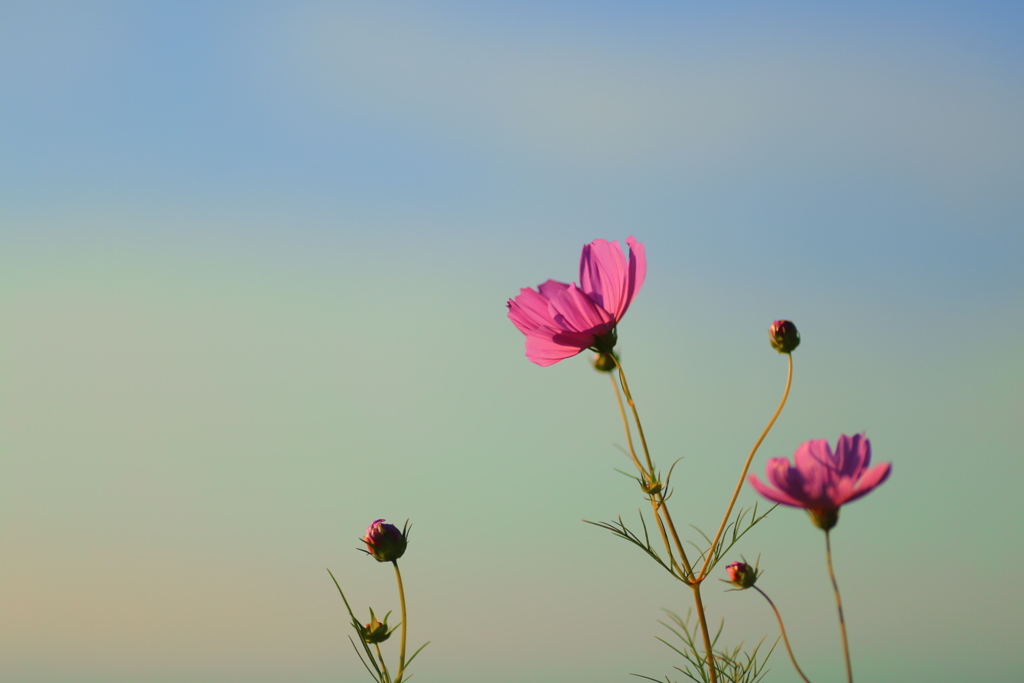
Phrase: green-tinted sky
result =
(253, 265)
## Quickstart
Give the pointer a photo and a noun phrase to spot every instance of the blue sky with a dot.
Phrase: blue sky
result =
(253, 264)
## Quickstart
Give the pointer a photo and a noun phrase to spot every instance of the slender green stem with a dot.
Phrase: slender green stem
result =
(705, 633)
(785, 638)
(629, 433)
(743, 475)
(664, 539)
(384, 667)
(663, 506)
(405, 624)
(636, 415)
(839, 606)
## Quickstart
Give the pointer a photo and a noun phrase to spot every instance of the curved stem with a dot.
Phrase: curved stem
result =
(785, 638)
(743, 475)
(839, 606)
(401, 647)
(708, 653)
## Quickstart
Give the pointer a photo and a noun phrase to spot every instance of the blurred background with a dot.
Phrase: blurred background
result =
(254, 259)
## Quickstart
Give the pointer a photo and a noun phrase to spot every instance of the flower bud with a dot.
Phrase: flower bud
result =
(651, 488)
(783, 336)
(385, 542)
(603, 362)
(741, 575)
(375, 631)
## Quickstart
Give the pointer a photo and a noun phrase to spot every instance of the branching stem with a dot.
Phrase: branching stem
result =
(685, 571)
(659, 508)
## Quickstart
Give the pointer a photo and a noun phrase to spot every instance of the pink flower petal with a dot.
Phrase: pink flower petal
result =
(607, 279)
(852, 456)
(574, 311)
(529, 311)
(790, 481)
(552, 288)
(814, 461)
(838, 492)
(603, 273)
(772, 494)
(546, 347)
(872, 478)
(637, 272)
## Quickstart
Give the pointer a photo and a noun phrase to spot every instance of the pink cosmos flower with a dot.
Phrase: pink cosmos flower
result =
(822, 481)
(561, 320)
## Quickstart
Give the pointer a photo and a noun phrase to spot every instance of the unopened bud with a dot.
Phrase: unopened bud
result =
(651, 488)
(385, 542)
(783, 336)
(375, 631)
(603, 362)
(741, 575)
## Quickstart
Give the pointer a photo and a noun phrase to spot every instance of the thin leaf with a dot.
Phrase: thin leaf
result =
(356, 624)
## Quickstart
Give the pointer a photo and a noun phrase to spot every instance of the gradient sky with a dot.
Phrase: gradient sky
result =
(253, 265)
